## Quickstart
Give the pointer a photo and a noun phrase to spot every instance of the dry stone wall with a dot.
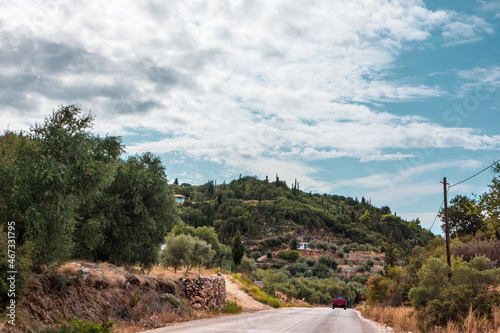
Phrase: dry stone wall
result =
(205, 292)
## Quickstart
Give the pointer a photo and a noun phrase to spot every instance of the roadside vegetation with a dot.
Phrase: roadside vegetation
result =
(426, 295)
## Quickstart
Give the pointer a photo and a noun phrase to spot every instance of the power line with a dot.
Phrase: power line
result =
(475, 174)
(437, 214)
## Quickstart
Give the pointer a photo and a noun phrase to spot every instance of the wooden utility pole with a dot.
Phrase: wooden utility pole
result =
(447, 229)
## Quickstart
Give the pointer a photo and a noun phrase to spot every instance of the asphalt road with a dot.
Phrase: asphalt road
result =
(303, 320)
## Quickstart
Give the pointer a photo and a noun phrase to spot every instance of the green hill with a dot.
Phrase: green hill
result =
(263, 209)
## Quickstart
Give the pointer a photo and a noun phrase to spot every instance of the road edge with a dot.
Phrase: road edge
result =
(379, 327)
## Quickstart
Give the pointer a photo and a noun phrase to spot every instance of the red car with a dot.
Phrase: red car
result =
(339, 301)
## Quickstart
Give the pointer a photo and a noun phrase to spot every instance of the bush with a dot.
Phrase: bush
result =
(255, 255)
(490, 249)
(292, 255)
(232, 307)
(247, 265)
(269, 254)
(172, 300)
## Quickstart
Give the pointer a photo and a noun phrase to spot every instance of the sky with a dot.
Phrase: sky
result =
(363, 98)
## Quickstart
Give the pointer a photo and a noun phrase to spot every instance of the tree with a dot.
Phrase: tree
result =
(52, 179)
(390, 256)
(201, 255)
(294, 243)
(463, 216)
(365, 218)
(140, 209)
(237, 250)
(178, 251)
(490, 204)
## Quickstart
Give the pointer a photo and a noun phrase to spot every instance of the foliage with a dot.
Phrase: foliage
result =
(247, 265)
(490, 204)
(464, 217)
(71, 195)
(237, 250)
(440, 299)
(172, 300)
(488, 248)
(292, 255)
(22, 266)
(185, 250)
(232, 307)
(141, 209)
(75, 325)
(259, 207)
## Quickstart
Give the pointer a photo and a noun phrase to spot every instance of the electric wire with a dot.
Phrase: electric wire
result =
(437, 214)
(460, 182)
(463, 181)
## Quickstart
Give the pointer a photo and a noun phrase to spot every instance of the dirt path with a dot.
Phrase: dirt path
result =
(234, 293)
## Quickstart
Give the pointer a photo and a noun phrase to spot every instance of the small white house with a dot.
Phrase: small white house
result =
(179, 199)
(304, 246)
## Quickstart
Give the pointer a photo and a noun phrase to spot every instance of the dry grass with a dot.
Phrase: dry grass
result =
(403, 320)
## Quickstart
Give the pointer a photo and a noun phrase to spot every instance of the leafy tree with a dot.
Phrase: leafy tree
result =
(294, 243)
(178, 251)
(390, 256)
(490, 204)
(201, 254)
(463, 216)
(237, 250)
(365, 218)
(140, 209)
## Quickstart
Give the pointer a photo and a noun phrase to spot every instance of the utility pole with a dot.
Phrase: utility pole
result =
(447, 229)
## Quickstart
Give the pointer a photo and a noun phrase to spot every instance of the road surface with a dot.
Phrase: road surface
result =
(303, 320)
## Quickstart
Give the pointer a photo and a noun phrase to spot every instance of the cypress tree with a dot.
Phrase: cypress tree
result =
(237, 250)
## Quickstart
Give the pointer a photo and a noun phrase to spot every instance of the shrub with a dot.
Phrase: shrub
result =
(255, 255)
(269, 254)
(292, 255)
(172, 300)
(232, 307)
(247, 265)
(468, 251)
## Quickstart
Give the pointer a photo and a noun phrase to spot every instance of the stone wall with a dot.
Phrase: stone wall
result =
(205, 292)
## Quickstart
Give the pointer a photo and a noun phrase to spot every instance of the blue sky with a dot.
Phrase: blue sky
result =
(372, 98)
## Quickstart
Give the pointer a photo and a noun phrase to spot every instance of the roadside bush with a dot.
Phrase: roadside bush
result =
(490, 249)
(440, 300)
(232, 307)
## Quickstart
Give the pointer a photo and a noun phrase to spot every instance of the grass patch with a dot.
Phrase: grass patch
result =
(75, 325)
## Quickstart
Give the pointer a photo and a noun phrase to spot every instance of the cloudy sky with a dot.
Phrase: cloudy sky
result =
(372, 98)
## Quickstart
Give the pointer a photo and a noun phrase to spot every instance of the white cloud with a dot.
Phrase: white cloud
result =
(258, 85)
(479, 82)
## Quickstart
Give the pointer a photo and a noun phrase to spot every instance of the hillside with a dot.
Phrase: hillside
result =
(269, 212)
